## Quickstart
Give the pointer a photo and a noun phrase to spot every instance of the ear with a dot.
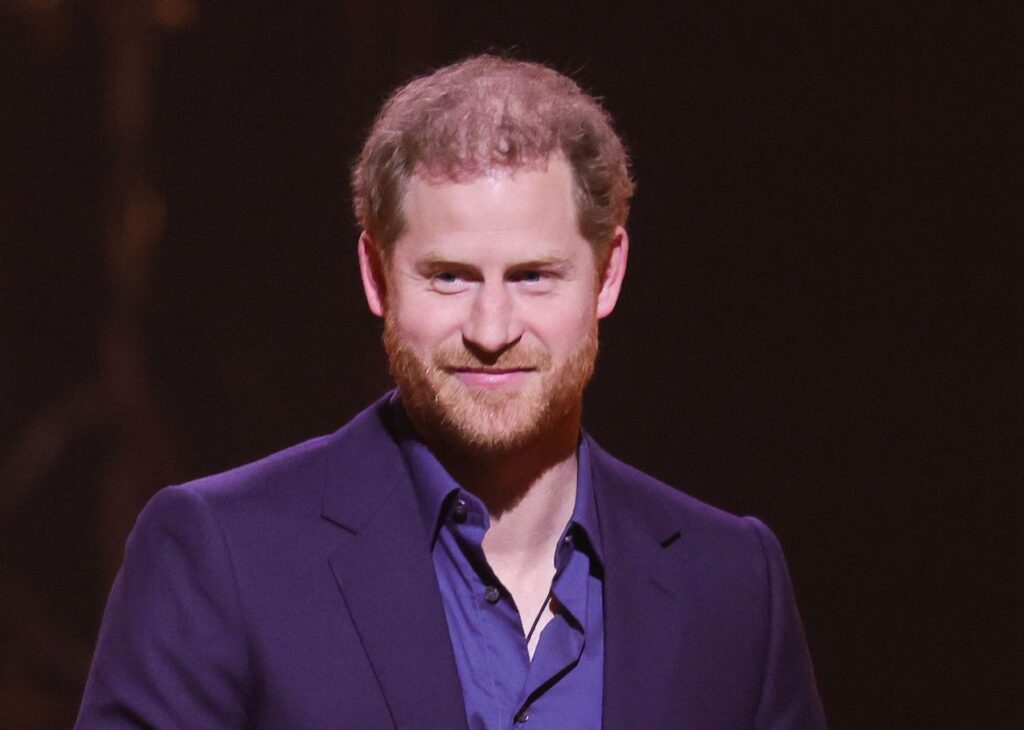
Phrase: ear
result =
(371, 269)
(613, 272)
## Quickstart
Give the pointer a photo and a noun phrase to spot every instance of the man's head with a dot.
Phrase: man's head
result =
(482, 115)
(492, 195)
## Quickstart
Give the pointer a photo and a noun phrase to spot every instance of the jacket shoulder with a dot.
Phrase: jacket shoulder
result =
(661, 504)
(290, 482)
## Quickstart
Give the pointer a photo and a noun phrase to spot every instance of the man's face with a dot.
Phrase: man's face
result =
(491, 304)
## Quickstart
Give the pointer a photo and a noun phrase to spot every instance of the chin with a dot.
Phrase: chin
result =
(478, 420)
(507, 426)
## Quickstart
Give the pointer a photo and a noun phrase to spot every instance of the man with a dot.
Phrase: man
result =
(460, 555)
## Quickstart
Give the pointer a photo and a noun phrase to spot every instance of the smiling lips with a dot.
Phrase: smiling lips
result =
(491, 377)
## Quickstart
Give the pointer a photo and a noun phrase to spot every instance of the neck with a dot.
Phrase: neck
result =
(503, 478)
(529, 493)
(529, 490)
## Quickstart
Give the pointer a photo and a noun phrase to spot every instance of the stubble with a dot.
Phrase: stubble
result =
(482, 419)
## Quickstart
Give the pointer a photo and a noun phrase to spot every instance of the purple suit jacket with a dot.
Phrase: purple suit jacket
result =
(298, 592)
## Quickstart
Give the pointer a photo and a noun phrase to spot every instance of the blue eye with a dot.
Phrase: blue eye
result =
(535, 281)
(448, 282)
(530, 276)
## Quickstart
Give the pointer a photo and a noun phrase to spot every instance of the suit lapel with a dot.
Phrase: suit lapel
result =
(641, 606)
(386, 576)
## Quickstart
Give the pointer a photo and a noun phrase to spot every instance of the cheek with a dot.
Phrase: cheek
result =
(562, 324)
(425, 324)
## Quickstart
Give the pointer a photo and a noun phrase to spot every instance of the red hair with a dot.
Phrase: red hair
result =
(487, 113)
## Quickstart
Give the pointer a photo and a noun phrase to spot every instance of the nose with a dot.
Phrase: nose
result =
(493, 325)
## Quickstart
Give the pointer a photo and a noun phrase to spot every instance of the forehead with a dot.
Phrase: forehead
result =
(529, 205)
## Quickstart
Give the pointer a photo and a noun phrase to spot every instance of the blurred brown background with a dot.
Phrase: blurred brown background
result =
(819, 325)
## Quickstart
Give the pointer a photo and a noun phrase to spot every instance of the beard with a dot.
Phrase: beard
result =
(487, 420)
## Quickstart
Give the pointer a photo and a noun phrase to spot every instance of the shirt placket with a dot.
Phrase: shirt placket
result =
(506, 657)
(562, 641)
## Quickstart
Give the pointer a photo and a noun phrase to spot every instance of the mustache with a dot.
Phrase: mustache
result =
(519, 357)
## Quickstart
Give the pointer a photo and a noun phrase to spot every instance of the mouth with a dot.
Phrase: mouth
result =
(491, 377)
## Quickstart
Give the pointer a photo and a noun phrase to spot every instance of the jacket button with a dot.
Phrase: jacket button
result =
(521, 716)
(492, 594)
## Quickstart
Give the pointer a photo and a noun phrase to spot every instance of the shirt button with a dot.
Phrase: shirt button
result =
(492, 594)
(521, 716)
(459, 510)
(567, 540)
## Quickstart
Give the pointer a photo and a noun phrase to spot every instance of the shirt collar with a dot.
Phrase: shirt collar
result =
(434, 486)
(432, 483)
(584, 512)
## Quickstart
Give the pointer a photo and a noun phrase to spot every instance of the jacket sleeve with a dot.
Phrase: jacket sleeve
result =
(789, 695)
(171, 651)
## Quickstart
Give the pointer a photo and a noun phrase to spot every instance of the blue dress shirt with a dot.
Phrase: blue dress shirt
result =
(562, 687)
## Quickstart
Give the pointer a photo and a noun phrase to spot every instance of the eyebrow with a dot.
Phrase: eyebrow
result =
(548, 262)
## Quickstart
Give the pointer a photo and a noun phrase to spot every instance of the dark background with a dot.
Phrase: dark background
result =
(819, 326)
